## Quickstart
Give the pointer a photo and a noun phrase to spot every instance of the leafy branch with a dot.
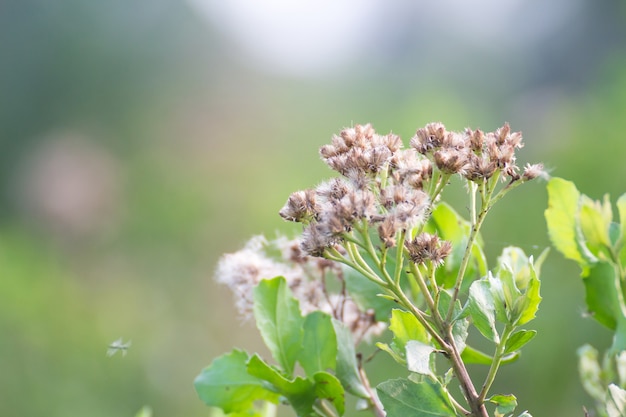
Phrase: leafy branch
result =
(584, 231)
(404, 260)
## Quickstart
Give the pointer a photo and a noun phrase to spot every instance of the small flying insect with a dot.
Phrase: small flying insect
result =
(118, 345)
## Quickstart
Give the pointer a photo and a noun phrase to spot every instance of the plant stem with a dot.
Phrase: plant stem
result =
(323, 409)
(476, 404)
(442, 181)
(399, 259)
(356, 257)
(465, 261)
(424, 288)
(374, 401)
(459, 407)
(334, 255)
(495, 364)
(371, 251)
(472, 187)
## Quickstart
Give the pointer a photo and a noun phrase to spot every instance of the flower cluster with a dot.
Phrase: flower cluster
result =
(392, 188)
(306, 276)
(475, 155)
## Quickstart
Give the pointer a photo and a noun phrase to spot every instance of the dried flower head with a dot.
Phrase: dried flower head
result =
(429, 138)
(300, 207)
(410, 169)
(428, 248)
(306, 276)
(359, 148)
(451, 160)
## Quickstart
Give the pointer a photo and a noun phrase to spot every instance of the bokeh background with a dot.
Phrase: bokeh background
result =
(141, 140)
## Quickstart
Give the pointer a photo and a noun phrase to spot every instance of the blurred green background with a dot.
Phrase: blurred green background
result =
(141, 140)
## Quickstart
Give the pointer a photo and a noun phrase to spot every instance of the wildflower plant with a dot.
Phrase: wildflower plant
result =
(380, 249)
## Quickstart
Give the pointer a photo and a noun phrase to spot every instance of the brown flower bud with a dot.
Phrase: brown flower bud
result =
(300, 206)
(429, 138)
(451, 161)
(476, 140)
(426, 247)
(387, 232)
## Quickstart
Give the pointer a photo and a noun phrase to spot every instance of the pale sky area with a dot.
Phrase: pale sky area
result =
(314, 37)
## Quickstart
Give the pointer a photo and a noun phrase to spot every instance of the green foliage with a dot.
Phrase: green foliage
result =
(403, 397)
(347, 367)
(227, 384)
(584, 230)
(236, 381)
(518, 339)
(505, 404)
(481, 307)
(319, 346)
(278, 318)
(405, 328)
(581, 229)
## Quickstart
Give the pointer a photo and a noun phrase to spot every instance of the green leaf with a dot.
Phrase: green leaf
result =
(299, 392)
(328, 387)
(500, 301)
(474, 356)
(562, 219)
(403, 397)
(278, 318)
(531, 298)
(603, 294)
(595, 222)
(525, 414)
(482, 309)
(396, 356)
(406, 327)
(226, 384)
(507, 294)
(518, 339)
(347, 368)
(504, 404)
(319, 346)
(616, 401)
(515, 271)
(515, 260)
(418, 357)
(561, 215)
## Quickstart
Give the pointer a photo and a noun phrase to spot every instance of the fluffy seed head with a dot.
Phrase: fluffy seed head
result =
(426, 247)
